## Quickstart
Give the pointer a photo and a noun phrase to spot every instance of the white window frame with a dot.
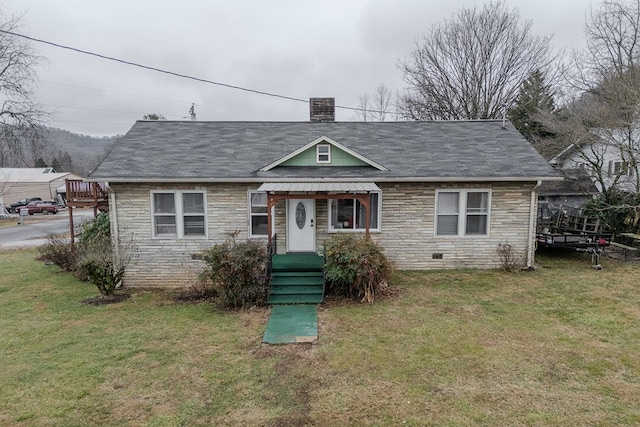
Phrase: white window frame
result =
(179, 214)
(620, 168)
(250, 215)
(462, 212)
(327, 154)
(378, 229)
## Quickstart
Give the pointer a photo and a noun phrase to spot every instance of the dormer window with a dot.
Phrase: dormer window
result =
(323, 153)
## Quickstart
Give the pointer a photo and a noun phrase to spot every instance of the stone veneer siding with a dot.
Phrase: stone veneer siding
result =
(407, 236)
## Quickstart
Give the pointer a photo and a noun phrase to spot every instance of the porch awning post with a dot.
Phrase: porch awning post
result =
(367, 221)
(364, 201)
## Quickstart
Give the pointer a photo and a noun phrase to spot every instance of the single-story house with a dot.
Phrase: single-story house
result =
(441, 194)
(18, 183)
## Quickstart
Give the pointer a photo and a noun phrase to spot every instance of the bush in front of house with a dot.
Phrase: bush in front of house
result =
(238, 272)
(510, 260)
(103, 262)
(355, 267)
(97, 257)
(58, 251)
(96, 228)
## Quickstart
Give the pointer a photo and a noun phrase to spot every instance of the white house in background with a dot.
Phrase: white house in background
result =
(619, 166)
(18, 183)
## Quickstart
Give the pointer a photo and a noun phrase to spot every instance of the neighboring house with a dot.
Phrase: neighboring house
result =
(615, 165)
(432, 194)
(18, 183)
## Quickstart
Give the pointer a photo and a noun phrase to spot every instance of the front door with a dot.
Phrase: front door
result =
(301, 234)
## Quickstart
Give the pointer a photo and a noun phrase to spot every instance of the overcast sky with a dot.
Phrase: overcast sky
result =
(296, 48)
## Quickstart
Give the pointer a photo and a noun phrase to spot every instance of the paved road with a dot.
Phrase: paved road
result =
(34, 230)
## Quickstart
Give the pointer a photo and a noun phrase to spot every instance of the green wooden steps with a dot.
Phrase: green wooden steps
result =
(296, 279)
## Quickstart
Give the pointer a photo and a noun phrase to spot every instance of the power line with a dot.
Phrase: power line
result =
(172, 73)
(128, 94)
(113, 91)
(91, 109)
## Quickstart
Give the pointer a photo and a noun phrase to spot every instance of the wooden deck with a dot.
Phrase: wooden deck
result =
(82, 194)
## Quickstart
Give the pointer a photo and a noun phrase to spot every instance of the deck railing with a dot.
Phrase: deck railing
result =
(82, 191)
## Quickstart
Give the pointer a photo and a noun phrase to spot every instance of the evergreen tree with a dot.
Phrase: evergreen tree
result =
(40, 163)
(55, 164)
(534, 98)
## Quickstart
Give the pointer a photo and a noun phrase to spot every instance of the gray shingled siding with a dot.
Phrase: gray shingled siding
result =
(407, 228)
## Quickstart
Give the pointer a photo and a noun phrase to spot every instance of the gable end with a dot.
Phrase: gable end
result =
(311, 155)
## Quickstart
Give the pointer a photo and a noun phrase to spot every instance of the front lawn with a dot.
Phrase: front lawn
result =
(559, 346)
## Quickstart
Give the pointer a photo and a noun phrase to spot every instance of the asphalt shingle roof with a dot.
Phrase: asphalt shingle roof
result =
(217, 151)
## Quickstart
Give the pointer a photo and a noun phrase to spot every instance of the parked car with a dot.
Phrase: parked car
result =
(40, 207)
(14, 207)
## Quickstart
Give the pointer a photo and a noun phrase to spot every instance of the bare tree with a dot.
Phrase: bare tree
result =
(20, 115)
(603, 119)
(376, 108)
(471, 66)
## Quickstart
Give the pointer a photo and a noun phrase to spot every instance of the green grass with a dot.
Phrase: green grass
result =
(559, 346)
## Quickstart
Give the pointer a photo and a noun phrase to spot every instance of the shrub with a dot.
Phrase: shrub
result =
(58, 251)
(617, 210)
(104, 262)
(104, 275)
(355, 267)
(96, 228)
(510, 260)
(238, 272)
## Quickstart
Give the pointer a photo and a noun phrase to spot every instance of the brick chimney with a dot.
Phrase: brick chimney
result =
(322, 109)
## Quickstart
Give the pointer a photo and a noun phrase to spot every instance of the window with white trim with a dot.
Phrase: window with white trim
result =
(323, 153)
(258, 219)
(462, 212)
(619, 168)
(178, 213)
(350, 214)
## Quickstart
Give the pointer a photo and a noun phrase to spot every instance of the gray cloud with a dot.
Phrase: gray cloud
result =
(296, 48)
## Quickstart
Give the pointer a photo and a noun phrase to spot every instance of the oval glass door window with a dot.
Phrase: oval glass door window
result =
(301, 215)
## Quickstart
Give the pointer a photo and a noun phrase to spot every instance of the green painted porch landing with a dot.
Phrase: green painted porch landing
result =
(302, 261)
(292, 324)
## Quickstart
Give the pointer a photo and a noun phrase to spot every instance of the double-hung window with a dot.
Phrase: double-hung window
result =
(323, 153)
(350, 214)
(462, 212)
(178, 213)
(258, 220)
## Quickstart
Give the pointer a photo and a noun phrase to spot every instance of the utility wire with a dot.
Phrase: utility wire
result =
(171, 73)
(127, 94)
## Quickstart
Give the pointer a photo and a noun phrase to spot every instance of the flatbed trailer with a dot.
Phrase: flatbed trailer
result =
(568, 228)
(573, 240)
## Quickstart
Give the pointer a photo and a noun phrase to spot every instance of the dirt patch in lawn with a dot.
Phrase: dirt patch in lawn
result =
(105, 300)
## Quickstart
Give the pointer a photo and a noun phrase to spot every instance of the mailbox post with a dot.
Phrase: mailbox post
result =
(23, 213)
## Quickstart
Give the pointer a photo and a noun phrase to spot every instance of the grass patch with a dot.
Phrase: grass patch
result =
(9, 222)
(558, 346)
